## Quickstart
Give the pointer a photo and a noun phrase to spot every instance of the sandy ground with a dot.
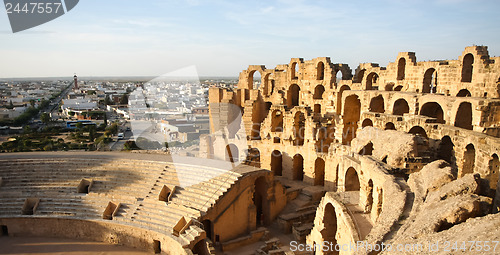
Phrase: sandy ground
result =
(56, 246)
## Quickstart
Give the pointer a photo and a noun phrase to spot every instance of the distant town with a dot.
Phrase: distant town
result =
(105, 113)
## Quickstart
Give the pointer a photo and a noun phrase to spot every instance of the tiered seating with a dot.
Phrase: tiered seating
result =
(134, 184)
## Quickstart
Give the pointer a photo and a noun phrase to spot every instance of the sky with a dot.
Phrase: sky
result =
(223, 37)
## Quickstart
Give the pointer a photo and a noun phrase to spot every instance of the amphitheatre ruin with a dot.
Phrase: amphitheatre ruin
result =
(307, 153)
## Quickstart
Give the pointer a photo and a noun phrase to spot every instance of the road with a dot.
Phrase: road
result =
(118, 144)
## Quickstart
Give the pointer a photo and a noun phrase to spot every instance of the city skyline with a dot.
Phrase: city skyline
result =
(221, 38)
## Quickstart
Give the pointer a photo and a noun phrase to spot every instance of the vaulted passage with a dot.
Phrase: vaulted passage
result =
(319, 172)
(260, 201)
(352, 180)
(318, 92)
(463, 118)
(430, 81)
(371, 81)
(298, 168)
(352, 109)
(467, 68)
(401, 69)
(493, 168)
(329, 232)
(277, 121)
(293, 96)
(277, 163)
(446, 151)
(433, 110)
(400, 107)
(299, 126)
(468, 160)
(377, 104)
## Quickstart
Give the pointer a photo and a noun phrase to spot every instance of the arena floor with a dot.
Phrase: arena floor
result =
(53, 246)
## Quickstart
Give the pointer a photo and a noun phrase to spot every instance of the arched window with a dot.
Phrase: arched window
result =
(430, 81)
(352, 180)
(293, 96)
(433, 110)
(320, 71)
(277, 163)
(318, 92)
(463, 119)
(377, 104)
(352, 110)
(298, 167)
(371, 81)
(319, 172)
(464, 93)
(401, 69)
(400, 107)
(467, 67)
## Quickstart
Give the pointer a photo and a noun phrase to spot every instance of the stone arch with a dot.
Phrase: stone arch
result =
(277, 121)
(232, 153)
(371, 80)
(352, 180)
(433, 110)
(253, 82)
(469, 160)
(318, 92)
(259, 113)
(268, 86)
(324, 137)
(319, 172)
(339, 97)
(467, 67)
(352, 111)
(493, 171)
(418, 130)
(338, 75)
(293, 96)
(401, 69)
(464, 93)
(400, 107)
(389, 126)
(298, 167)
(369, 199)
(320, 71)
(261, 202)
(277, 163)
(446, 150)
(299, 127)
(367, 123)
(329, 231)
(359, 76)
(463, 118)
(377, 104)
(430, 81)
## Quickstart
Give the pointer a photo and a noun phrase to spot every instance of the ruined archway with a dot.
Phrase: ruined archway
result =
(430, 81)
(371, 81)
(294, 70)
(329, 231)
(464, 93)
(446, 150)
(319, 172)
(339, 97)
(293, 96)
(433, 110)
(493, 168)
(463, 119)
(469, 160)
(400, 107)
(377, 104)
(401, 69)
(352, 110)
(418, 130)
(254, 79)
(298, 168)
(232, 153)
(277, 163)
(367, 123)
(467, 67)
(277, 121)
(352, 180)
(299, 124)
(318, 92)
(389, 126)
(320, 71)
(261, 202)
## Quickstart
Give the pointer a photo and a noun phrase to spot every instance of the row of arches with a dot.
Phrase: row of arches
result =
(298, 167)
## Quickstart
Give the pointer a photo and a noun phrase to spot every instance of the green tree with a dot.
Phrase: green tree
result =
(92, 133)
(124, 99)
(45, 118)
